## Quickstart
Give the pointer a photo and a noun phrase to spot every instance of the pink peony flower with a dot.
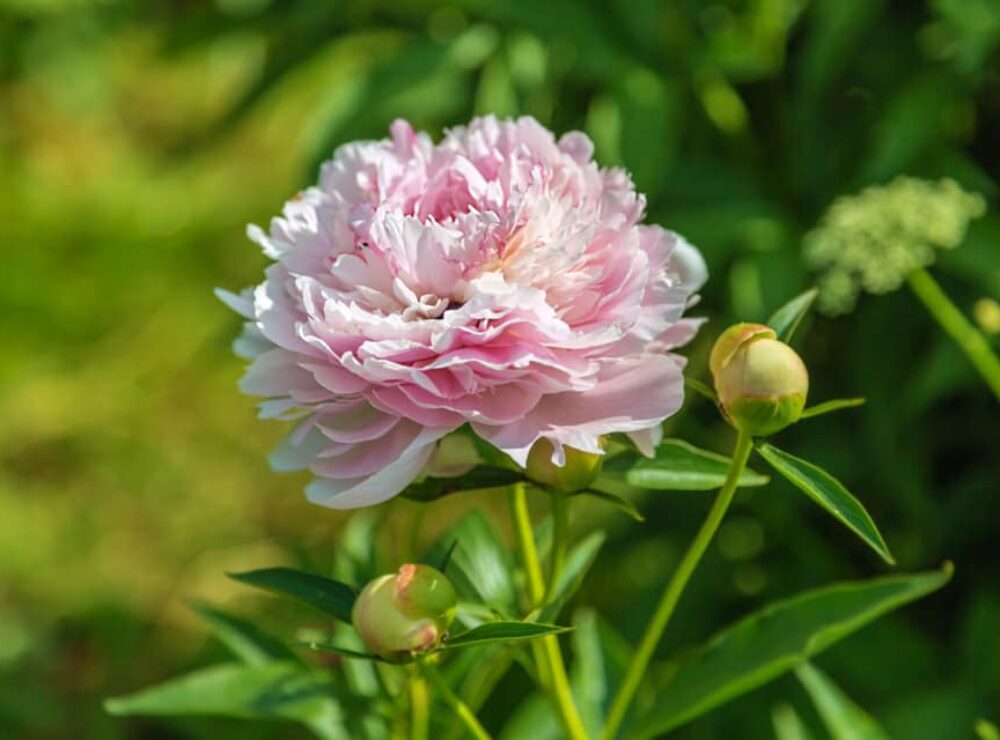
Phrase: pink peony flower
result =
(498, 278)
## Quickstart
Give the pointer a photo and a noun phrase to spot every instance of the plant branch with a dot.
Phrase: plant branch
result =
(458, 706)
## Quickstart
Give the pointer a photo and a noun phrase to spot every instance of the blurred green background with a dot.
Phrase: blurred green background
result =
(138, 139)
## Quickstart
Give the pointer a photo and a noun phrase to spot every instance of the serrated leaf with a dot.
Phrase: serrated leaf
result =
(771, 642)
(267, 691)
(828, 406)
(245, 640)
(828, 492)
(326, 594)
(786, 319)
(501, 632)
(844, 719)
(619, 502)
(678, 466)
(479, 478)
(578, 562)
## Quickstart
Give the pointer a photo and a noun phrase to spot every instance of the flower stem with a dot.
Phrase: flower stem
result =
(560, 542)
(966, 336)
(675, 587)
(458, 706)
(551, 669)
(419, 716)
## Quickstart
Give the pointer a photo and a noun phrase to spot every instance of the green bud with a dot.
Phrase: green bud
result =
(580, 470)
(405, 612)
(761, 382)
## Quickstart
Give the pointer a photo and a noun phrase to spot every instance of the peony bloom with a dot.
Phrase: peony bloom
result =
(498, 279)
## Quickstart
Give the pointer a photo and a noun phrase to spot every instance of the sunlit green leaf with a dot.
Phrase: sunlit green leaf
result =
(786, 319)
(835, 405)
(245, 640)
(331, 596)
(578, 562)
(677, 466)
(267, 691)
(480, 566)
(502, 632)
(774, 641)
(844, 720)
(788, 725)
(828, 492)
(587, 677)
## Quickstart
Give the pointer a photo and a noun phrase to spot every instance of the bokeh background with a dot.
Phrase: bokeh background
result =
(137, 139)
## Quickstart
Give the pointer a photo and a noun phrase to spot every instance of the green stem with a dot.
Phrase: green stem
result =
(966, 336)
(551, 669)
(458, 706)
(419, 716)
(560, 542)
(675, 587)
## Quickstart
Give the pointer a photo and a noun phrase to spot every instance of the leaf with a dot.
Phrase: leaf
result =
(835, 405)
(328, 647)
(501, 632)
(702, 389)
(480, 477)
(587, 678)
(678, 466)
(775, 640)
(788, 725)
(326, 594)
(844, 720)
(827, 491)
(268, 691)
(786, 319)
(578, 562)
(441, 563)
(245, 640)
(619, 502)
(480, 567)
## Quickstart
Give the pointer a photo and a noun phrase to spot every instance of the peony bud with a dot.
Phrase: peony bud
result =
(580, 470)
(405, 612)
(762, 383)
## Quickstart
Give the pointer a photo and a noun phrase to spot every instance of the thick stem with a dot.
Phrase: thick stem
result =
(419, 716)
(458, 706)
(969, 339)
(551, 669)
(675, 587)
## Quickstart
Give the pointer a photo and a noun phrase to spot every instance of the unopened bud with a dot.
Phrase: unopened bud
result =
(579, 471)
(405, 612)
(761, 382)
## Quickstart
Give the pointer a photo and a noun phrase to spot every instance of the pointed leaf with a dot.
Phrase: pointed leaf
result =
(502, 632)
(786, 319)
(587, 678)
(480, 566)
(678, 466)
(246, 641)
(844, 719)
(479, 478)
(326, 594)
(329, 647)
(271, 691)
(441, 563)
(828, 492)
(788, 725)
(578, 562)
(773, 641)
(835, 405)
(619, 502)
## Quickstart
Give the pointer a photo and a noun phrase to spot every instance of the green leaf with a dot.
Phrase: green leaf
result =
(578, 562)
(619, 502)
(346, 652)
(480, 567)
(773, 641)
(245, 640)
(501, 632)
(480, 477)
(326, 594)
(588, 679)
(267, 691)
(786, 319)
(441, 563)
(844, 720)
(702, 389)
(827, 491)
(835, 405)
(788, 725)
(678, 466)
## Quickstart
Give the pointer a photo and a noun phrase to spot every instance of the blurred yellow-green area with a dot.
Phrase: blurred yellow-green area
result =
(137, 140)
